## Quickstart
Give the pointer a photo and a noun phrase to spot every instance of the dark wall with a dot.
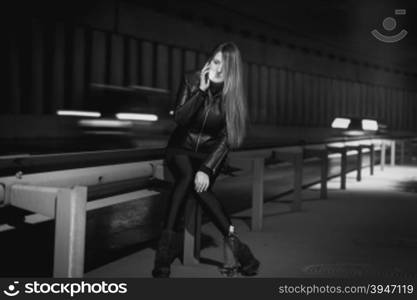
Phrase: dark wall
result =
(52, 58)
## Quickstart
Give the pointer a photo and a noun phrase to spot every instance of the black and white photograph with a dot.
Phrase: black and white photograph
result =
(209, 139)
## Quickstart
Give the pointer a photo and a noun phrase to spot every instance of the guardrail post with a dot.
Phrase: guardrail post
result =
(392, 153)
(198, 223)
(372, 159)
(383, 153)
(343, 169)
(257, 193)
(402, 151)
(190, 232)
(322, 154)
(70, 227)
(359, 164)
(298, 180)
(324, 175)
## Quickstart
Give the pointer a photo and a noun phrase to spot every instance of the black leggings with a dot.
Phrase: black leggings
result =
(184, 167)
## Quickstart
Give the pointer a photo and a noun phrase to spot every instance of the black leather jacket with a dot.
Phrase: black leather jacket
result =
(201, 123)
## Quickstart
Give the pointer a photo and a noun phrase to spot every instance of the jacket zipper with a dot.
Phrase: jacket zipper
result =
(204, 122)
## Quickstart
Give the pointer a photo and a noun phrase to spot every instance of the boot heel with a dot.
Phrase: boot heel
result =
(163, 255)
(249, 265)
(251, 269)
(161, 272)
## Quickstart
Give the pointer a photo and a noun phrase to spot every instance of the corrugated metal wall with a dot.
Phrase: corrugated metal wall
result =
(51, 65)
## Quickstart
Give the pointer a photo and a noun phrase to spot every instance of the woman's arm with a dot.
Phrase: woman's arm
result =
(188, 102)
(212, 162)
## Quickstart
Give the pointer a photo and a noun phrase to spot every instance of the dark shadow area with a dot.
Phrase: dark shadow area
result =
(28, 251)
(408, 186)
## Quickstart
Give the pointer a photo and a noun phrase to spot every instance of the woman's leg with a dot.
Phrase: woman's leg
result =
(213, 206)
(249, 265)
(181, 168)
(211, 203)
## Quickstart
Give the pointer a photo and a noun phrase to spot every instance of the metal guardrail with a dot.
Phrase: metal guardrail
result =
(69, 206)
(80, 182)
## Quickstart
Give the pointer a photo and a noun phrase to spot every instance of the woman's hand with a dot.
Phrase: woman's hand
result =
(204, 80)
(201, 182)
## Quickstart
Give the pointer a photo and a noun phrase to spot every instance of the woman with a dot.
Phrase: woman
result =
(211, 116)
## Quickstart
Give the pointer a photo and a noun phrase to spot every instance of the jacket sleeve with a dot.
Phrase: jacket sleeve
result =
(188, 102)
(212, 162)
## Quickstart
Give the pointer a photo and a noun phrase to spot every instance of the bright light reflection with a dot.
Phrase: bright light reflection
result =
(369, 125)
(104, 123)
(137, 117)
(78, 113)
(341, 123)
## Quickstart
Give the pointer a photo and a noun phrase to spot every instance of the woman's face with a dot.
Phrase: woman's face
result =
(216, 72)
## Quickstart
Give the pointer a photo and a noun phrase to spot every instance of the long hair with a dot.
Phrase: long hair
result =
(233, 93)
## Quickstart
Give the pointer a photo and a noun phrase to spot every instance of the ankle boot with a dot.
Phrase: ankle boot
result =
(249, 265)
(163, 255)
